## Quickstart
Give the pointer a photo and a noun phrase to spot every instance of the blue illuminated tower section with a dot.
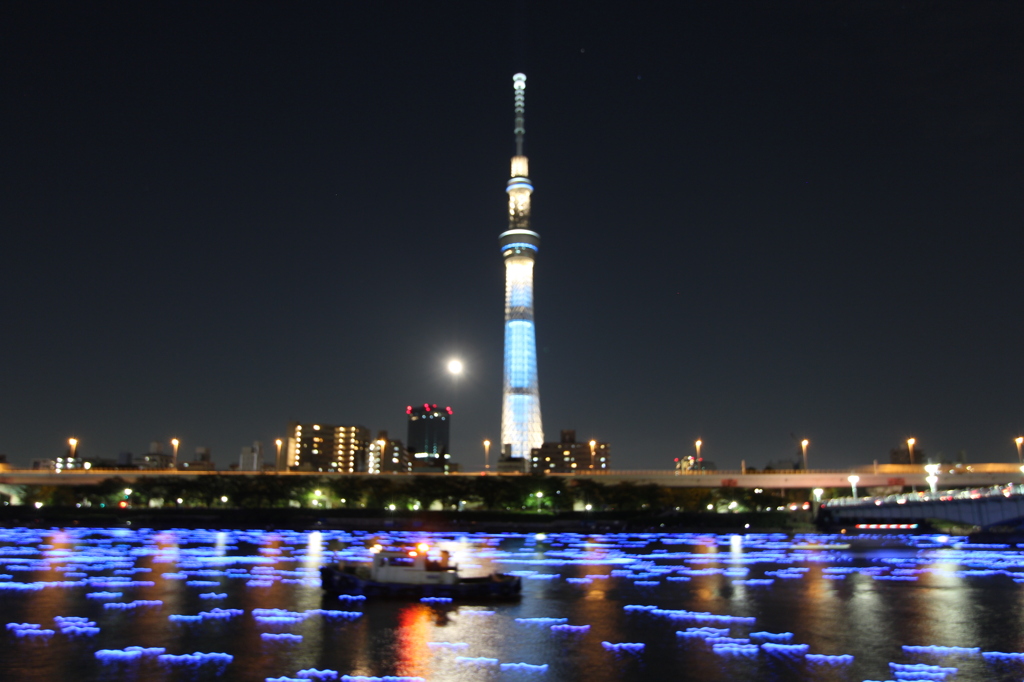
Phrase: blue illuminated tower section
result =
(521, 428)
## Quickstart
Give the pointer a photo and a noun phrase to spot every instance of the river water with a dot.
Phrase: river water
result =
(687, 607)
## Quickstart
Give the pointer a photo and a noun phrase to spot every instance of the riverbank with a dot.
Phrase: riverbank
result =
(368, 519)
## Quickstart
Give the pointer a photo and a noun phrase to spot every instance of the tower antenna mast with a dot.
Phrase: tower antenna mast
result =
(519, 87)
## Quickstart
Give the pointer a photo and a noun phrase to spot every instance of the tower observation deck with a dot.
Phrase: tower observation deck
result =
(521, 428)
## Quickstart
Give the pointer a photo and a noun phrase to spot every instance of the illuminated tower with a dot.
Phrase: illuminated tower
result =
(521, 428)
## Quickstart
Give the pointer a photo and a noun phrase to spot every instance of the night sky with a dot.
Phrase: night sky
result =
(760, 221)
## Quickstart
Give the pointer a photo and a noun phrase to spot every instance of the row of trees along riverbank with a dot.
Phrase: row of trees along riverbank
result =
(488, 493)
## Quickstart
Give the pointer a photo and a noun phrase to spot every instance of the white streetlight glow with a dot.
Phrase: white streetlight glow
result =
(455, 366)
(854, 480)
(818, 492)
(932, 478)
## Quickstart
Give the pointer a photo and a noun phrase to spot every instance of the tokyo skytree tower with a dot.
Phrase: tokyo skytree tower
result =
(521, 427)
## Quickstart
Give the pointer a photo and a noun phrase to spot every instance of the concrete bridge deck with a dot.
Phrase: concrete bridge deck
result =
(872, 476)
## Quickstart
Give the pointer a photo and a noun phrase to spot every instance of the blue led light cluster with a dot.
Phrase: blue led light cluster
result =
(477, 660)
(448, 646)
(628, 561)
(631, 647)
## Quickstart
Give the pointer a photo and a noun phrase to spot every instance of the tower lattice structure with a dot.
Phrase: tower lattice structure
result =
(521, 428)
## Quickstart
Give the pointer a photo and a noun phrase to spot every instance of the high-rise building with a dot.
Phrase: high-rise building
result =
(429, 434)
(328, 448)
(521, 428)
(388, 456)
(251, 458)
(567, 456)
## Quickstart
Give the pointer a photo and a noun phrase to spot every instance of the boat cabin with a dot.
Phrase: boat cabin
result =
(412, 567)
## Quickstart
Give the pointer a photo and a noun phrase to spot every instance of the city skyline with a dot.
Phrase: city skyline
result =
(762, 224)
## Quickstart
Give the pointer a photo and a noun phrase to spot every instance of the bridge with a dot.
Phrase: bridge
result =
(997, 506)
(880, 476)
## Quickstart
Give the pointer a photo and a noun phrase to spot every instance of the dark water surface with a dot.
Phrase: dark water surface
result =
(867, 602)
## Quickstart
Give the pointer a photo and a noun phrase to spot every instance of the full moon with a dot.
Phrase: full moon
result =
(455, 366)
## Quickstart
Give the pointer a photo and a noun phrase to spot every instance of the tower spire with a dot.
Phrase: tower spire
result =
(519, 87)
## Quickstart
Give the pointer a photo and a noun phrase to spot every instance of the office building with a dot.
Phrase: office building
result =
(567, 456)
(327, 448)
(429, 434)
(388, 456)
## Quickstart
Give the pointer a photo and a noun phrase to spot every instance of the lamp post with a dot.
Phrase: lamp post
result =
(854, 480)
(803, 444)
(1019, 440)
(593, 443)
(540, 496)
(174, 456)
(697, 444)
(818, 492)
(910, 448)
(487, 455)
(932, 477)
(73, 444)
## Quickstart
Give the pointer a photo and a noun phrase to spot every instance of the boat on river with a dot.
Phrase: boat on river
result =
(414, 573)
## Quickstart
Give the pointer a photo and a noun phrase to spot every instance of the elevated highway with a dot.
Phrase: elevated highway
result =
(870, 477)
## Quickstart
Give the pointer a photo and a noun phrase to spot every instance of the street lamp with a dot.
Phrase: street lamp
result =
(174, 458)
(592, 444)
(932, 477)
(910, 448)
(455, 366)
(803, 444)
(854, 480)
(540, 496)
(1019, 440)
(818, 492)
(73, 443)
(487, 455)
(277, 461)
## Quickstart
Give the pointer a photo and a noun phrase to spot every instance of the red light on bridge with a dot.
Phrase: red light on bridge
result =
(886, 526)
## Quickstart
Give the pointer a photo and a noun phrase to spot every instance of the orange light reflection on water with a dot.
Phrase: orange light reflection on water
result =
(414, 631)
